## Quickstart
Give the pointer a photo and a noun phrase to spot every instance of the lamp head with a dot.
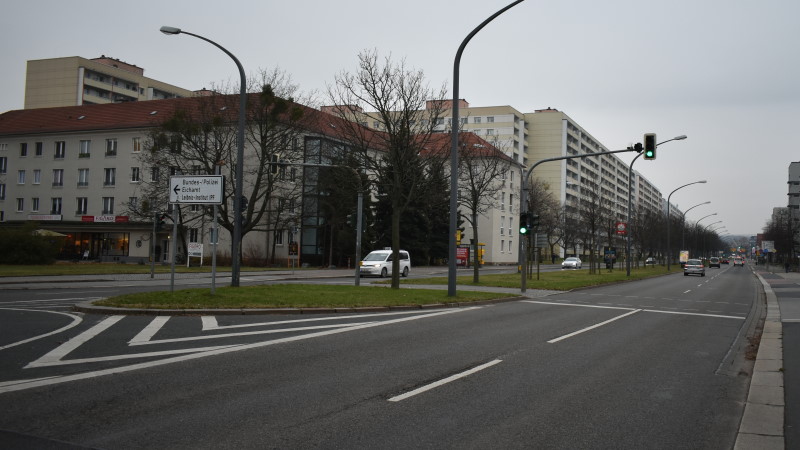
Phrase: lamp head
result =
(170, 30)
(680, 138)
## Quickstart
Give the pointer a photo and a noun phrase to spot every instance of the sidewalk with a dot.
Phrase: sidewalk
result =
(764, 420)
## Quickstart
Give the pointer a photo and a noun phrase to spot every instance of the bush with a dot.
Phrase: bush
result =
(23, 246)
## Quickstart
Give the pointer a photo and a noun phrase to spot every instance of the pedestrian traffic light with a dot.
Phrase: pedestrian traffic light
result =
(161, 222)
(650, 146)
(534, 222)
(524, 223)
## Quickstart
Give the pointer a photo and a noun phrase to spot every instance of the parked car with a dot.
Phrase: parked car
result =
(650, 261)
(571, 263)
(738, 262)
(714, 262)
(694, 267)
(379, 263)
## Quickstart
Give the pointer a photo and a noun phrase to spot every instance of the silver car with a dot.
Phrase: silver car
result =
(571, 263)
(694, 267)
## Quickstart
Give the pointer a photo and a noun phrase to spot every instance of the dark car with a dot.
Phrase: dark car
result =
(694, 267)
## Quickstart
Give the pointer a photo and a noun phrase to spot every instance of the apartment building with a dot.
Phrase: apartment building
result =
(75, 81)
(79, 171)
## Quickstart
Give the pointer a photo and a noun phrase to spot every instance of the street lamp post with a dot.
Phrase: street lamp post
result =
(630, 203)
(669, 248)
(454, 125)
(239, 169)
(683, 223)
(698, 222)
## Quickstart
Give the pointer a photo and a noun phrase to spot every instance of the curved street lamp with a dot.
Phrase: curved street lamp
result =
(454, 125)
(238, 171)
(630, 201)
(669, 247)
(683, 221)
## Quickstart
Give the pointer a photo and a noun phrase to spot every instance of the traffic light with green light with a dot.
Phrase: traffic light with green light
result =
(524, 223)
(650, 146)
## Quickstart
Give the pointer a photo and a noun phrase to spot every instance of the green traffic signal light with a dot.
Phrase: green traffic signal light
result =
(523, 229)
(650, 146)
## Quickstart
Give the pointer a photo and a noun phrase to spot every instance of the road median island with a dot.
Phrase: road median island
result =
(286, 299)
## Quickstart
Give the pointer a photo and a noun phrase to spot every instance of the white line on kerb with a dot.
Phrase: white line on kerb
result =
(567, 336)
(444, 381)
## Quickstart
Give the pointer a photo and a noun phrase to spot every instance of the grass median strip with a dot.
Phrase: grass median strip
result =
(293, 296)
(559, 280)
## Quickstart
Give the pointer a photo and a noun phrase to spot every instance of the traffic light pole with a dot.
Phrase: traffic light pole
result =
(524, 202)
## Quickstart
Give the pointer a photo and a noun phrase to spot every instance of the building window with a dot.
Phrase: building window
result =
(477, 120)
(278, 237)
(58, 177)
(23, 149)
(133, 203)
(35, 204)
(111, 147)
(108, 205)
(37, 176)
(154, 174)
(3, 165)
(193, 234)
(502, 245)
(20, 177)
(510, 226)
(55, 205)
(39, 149)
(2, 191)
(135, 177)
(502, 201)
(490, 132)
(490, 119)
(82, 206)
(502, 225)
(61, 150)
(86, 149)
(110, 178)
(83, 177)
(20, 204)
(510, 247)
(137, 145)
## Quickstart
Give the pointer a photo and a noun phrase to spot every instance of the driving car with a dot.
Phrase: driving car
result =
(694, 267)
(650, 261)
(738, 262)
(379, 263)
(571, 263)
(714, 262)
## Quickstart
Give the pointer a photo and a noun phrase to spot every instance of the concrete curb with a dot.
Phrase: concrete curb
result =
(763, 419)
(88, 307)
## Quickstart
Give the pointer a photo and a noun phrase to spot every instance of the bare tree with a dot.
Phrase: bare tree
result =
(406, 112)
(199, 137)
(482, 176)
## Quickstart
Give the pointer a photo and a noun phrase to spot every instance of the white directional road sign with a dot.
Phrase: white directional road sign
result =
(205, 189)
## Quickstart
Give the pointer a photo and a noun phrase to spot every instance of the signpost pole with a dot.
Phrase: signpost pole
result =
(174, 249)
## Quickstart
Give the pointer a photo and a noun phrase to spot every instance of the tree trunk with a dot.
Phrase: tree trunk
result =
(476, 258)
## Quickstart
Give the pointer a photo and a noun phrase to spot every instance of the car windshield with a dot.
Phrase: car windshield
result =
(570, 259)
(375, 257)
(693, 262)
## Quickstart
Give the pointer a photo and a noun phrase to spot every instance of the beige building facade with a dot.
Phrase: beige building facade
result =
(76, 81)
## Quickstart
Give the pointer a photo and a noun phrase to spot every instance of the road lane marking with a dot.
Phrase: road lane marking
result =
(75, 321)
(444, 381)
(198, 353)
(719, 316)
(150, 330)
(686, 292)
(580, 306)
(567, 336)
(62, 350)
(210, 322)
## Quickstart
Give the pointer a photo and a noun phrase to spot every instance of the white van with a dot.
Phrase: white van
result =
(379, 262)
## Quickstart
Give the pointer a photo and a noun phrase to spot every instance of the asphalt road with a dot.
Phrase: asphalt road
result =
(657, 363)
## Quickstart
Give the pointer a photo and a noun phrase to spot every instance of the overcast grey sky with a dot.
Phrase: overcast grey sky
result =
(725, 73)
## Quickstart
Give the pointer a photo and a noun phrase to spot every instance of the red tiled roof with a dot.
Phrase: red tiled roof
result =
(469, 142)
(144, 114)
